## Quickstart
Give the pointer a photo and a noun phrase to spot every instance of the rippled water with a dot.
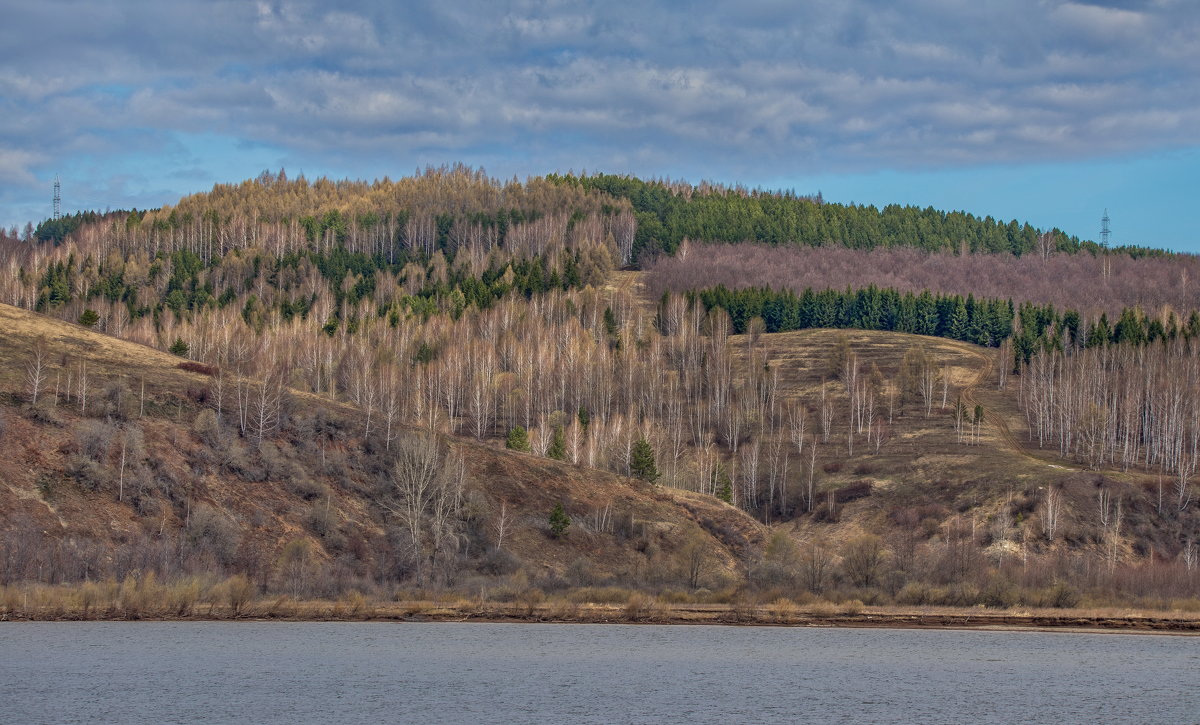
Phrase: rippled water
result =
(515, 673)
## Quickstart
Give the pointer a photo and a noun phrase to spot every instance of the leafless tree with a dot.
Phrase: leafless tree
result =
(425, 494)
(1051, 511)
(37, 369)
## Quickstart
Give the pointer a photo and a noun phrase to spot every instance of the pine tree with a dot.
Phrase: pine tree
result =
(518, 440)
(89, 318)
(642, 461)
(559, 521)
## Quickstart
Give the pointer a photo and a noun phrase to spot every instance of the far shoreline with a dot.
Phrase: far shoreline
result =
(654, 613)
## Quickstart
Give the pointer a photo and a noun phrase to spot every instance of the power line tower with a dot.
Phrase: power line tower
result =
(57, 198)
(1104, 230)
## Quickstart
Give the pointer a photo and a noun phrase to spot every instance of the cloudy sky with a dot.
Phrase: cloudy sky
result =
(1040, 110)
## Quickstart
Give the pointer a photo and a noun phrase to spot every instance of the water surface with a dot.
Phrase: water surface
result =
(212, 672)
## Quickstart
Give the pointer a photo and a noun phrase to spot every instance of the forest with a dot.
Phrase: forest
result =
(459, 305)
(670, 212)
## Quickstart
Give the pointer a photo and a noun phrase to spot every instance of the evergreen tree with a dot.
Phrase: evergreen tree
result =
(558, 445)
(1130, 328)
(179, 347)
(559, 521)
(642, 461)
(724, 485)
(89, 318)
(518, 440)
(1099, 332)
(958, 326)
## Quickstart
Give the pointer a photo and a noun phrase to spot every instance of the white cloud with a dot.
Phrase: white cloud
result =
(15, 167)
(763, 85)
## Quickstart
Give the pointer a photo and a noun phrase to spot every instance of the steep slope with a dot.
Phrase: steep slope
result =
(138, 475)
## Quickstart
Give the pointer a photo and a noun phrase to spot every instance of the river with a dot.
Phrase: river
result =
(267, 672)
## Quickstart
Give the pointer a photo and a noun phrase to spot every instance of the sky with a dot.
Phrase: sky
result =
(1045, 111)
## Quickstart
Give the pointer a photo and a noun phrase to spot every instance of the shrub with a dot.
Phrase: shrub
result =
(861, 559)
(209, 531)
(499, 562)
(207, 428)
(183, 597)
(915, 594)
(239, 592)
(88, 474)
(45, 486)
(195, 367)
(44, 412)
(89, 597)
(783, 609)
(852, 607)
(92, 439)
(999, 593)
(1062, 596)
(531, 599)
(600, 595)
(853, 492)
(321, 519)
(640, 606)
(306, 488)
(579, 573)
(116, 401)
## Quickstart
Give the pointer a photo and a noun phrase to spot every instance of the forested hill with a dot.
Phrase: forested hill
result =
(450, 207)
(668, 212)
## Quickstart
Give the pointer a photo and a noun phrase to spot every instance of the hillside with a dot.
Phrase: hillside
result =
(929, 470)
(305, 511)
(348, 363)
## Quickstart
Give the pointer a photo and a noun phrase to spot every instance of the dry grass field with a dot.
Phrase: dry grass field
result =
(69, 345)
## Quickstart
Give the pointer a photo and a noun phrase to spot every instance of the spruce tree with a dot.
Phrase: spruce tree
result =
(518, 440)
(642, 461)
(179, 347)
(558, 445)
(559, 521)
(724, 485)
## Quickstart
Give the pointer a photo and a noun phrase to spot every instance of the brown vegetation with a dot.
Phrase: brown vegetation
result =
(156, 483)
(1087, 283)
